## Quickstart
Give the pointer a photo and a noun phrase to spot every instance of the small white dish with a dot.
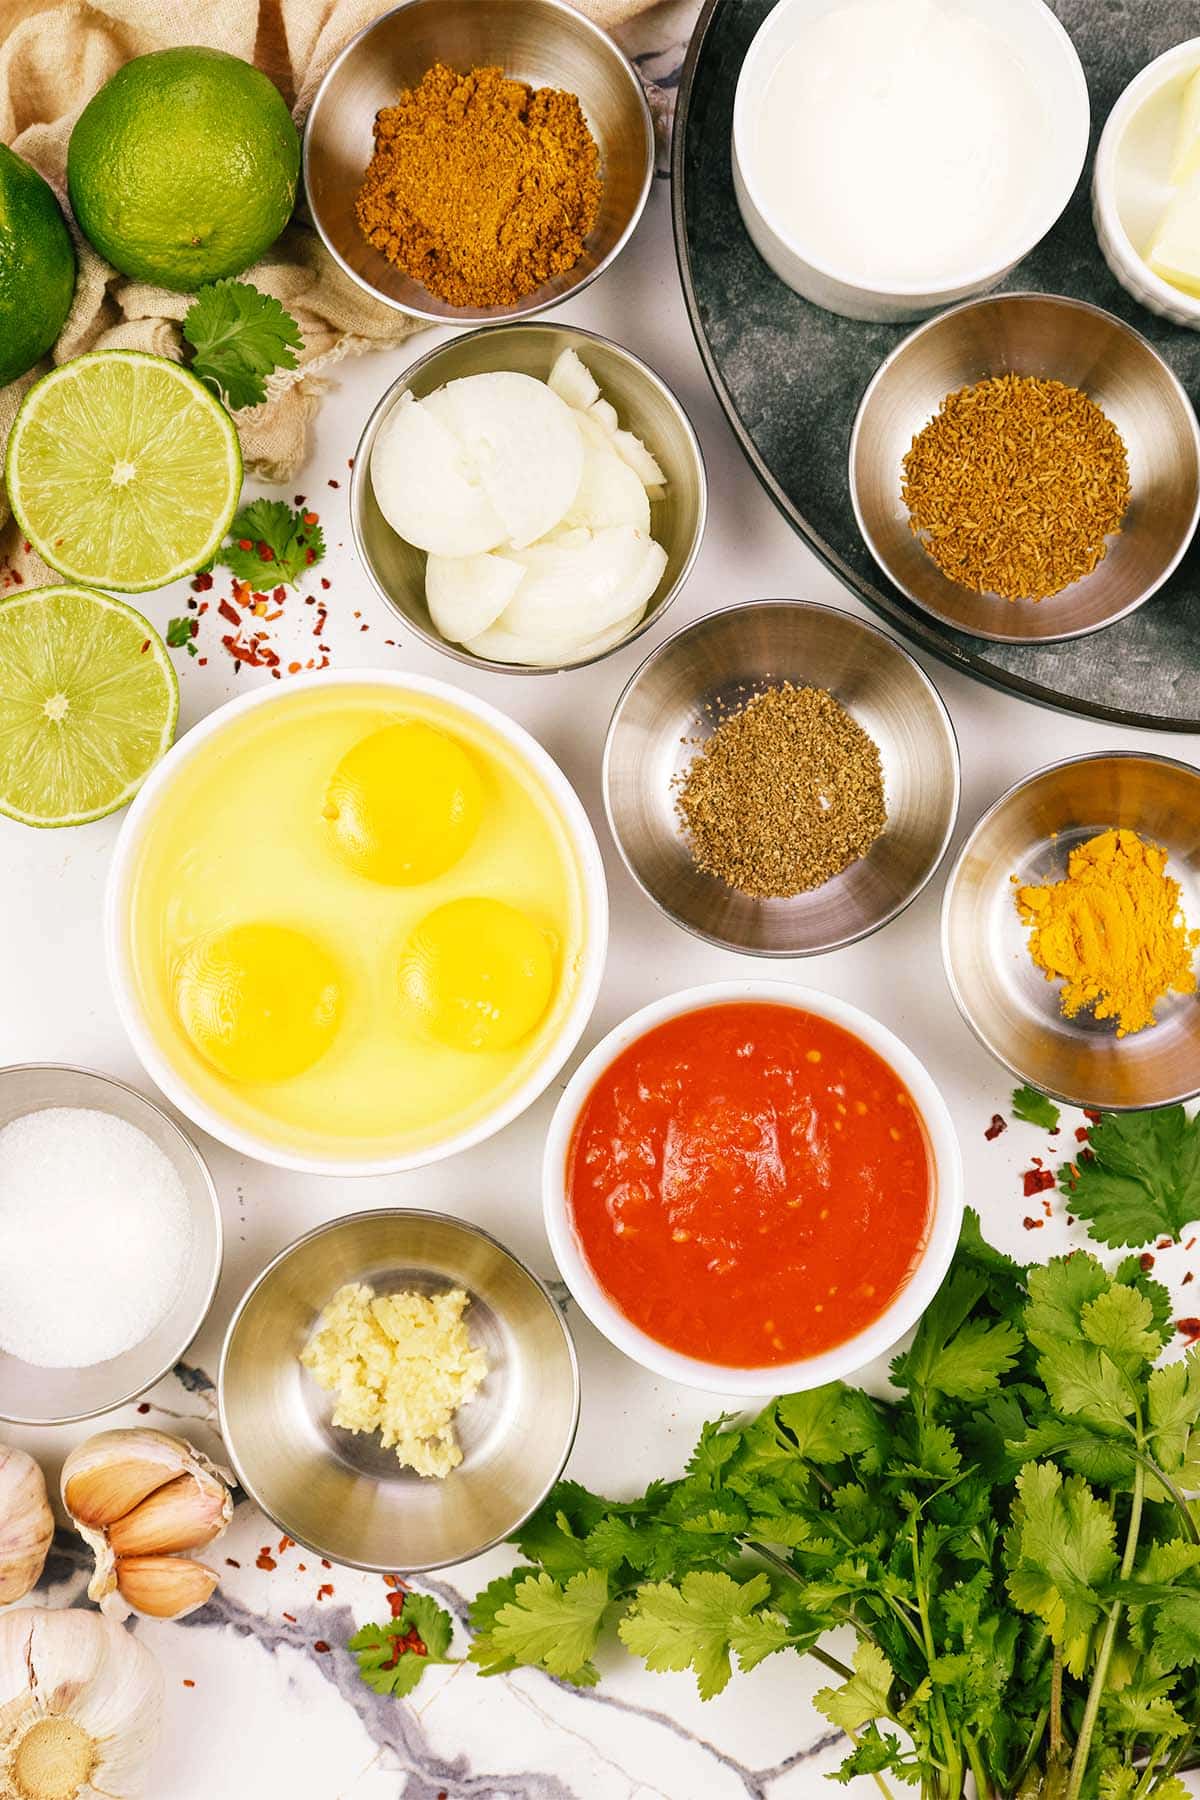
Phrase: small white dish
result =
(1049, 59)
(1131, 186)
(172, 1078)
(775, 1378)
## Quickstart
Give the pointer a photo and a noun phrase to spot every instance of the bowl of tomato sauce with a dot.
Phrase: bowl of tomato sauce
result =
(753, 1188)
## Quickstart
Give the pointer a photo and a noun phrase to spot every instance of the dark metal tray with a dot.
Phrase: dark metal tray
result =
(790, 376)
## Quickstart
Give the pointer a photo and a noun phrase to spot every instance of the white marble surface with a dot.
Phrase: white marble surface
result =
(253, 1708)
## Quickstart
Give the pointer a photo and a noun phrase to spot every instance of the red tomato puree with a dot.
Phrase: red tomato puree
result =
(750, 1184)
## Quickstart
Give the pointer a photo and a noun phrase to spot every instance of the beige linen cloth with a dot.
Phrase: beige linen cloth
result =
(54, 58)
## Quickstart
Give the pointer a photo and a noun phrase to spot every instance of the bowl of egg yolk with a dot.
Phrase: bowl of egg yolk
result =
(355, 923)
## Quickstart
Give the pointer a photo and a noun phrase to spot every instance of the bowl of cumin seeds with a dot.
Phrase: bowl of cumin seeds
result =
(781, 778)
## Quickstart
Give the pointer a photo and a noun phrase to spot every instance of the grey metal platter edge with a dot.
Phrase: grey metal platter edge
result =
(952, 648)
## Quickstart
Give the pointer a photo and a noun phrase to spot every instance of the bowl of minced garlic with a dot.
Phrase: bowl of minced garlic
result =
(1071, 928)
(453, 181)
(397, 1391)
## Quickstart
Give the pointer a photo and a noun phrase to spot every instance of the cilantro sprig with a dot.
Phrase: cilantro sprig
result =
(392, 1658)
(1141, 1178)
(1034, 1108)
(269, 543)
(238, 338)
(1008, 1538)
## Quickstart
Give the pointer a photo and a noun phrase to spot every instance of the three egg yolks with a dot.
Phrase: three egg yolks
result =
(262, 1002)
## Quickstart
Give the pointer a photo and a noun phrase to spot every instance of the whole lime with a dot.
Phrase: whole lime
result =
(37, 266)
(183, 168)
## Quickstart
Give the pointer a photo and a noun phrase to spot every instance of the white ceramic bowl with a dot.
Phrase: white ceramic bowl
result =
(776, 1378)
(154, 793)
(1130, 186)
(1050, 56)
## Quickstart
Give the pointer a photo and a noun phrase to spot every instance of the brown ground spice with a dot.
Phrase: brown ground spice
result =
(785, 794)
(480, 187)
(1015, 485)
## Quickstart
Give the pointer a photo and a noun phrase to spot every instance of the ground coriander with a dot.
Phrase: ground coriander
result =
(785, 794)
(1016, 485)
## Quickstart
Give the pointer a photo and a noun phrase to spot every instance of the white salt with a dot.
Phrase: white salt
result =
(95, 1237)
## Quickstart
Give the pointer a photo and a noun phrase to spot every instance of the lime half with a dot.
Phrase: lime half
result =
(123, 470)
(88, 704)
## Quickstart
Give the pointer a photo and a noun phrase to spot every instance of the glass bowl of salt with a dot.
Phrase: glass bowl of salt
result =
(110, 1243)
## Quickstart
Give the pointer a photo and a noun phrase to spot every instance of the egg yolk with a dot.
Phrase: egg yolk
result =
(261, 1002)
(477, 974)
(404, 804)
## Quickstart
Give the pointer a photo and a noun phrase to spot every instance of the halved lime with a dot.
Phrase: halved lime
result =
(123, 470)
(88, 704)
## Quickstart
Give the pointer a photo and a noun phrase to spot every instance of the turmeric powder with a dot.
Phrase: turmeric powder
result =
(1112, 931)
(480, 187)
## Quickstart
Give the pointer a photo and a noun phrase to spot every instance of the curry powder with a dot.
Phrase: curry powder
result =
(480, 187)
(1112, 931)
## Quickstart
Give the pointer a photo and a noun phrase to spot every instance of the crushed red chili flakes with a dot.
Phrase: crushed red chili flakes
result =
(1164, 1243)
(1090, 1113)
(321, 1647)
(1145, 1262)
(201, 583)
(1189, 1328)
(264, 1560)
(1190, 1244)
(996, 1127)
(144, 1406)
(325, 1591)
(188, 1683)
(1036, 1181)
(325, 1563)
(233, 1562)
(1188, 1277)
(1033, 1224)
(290, 1617)
(1081, 1134)
(286, 1543)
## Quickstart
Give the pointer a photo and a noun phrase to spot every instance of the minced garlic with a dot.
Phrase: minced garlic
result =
(400, 1364)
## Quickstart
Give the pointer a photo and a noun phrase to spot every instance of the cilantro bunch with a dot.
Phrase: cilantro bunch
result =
(1008, 1539)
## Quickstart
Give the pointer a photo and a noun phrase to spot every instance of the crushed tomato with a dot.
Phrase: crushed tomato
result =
(750, 1184)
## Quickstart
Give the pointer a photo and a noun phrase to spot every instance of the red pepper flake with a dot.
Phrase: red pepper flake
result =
(229, 612)
(1095, 1117)
(279, 594)
(325, 1563)
(286, 1543)
(1188, 1277)
(265, 1562)
(245, 543)
(326, 583)
(997, 1125)
(290, 1617)
(297, 499)
(265, 552)
(394, 1581)
(233, 1562)
(1190, 1244)
(321, 1647)
(303, 1567)
(144, 1406)
(312, 518)
(1036, 1181)
(293, 668)
(1033, 1224)
(1189, 1328)
(1164, 1243)
(1082, 1134)
(145, 645)
(325, 1591)
(349, 462)
(188, 1683)
(1145, 1262)
(1088, 1155)
(310, 556)
(1047, 1209)
(201, 583)
(333, 484)
(202, 662)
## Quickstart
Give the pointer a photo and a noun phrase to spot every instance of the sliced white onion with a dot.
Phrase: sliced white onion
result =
(608, 494)
(519, 442)
(423, 490)
(572, 381)
(575, 589)
(632, 450)
(466, 594)
(605, 414)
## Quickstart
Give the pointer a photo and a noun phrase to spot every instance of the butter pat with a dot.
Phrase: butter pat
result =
(1174, 252)
(399, 1364)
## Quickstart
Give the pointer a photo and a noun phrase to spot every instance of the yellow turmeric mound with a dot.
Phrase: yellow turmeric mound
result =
(1112, 931)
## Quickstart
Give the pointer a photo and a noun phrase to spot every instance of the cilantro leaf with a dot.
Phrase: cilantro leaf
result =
(239, 337)
(1142, 1180)
(696, 1624)
(865, 1696)
(953, 1353)
(181, 634)
(392, 1658)
(282, 546)
(812, 1419)
(1174, 1409)
(1034, 1108)
(555, 1626)
(1059, 1548)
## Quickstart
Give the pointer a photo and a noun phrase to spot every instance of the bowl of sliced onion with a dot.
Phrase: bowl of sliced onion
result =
(528, 497)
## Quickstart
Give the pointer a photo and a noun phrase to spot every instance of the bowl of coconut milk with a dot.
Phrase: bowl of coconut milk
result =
(893, 156)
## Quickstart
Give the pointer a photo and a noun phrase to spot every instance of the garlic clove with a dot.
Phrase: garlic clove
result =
(26, 1524)
(183, 1515)
(80, 1705)
(164, 1587)
(105, 1478)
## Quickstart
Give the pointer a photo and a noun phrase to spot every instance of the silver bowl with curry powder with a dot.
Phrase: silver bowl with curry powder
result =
(544, 43)
(340, 1493)
(672, 708)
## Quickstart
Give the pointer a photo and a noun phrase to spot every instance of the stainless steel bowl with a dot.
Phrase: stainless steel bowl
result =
(30, 1395)
(1051, 337)
(646, 406)
(1003, 997)
(716, 663)
(546, 43)
(339, 1493)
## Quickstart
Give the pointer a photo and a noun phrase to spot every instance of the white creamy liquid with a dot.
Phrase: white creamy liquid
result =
(900, 143)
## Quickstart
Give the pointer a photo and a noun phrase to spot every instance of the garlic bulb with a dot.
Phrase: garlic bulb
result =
(80, 1707)
(26, 1524)
(139, 1498)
